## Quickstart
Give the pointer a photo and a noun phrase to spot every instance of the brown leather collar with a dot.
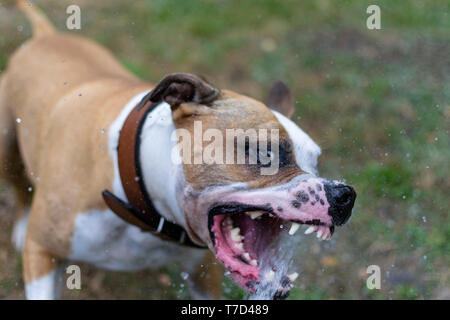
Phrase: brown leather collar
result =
(140, 210)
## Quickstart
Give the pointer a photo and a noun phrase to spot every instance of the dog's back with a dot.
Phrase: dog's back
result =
(46, 65)
(54, 84)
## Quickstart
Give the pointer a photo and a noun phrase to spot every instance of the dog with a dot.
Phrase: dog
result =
(95, 144)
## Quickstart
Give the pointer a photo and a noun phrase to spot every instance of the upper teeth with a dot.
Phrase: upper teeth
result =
(294, 228)
(319, 234)
(255, 214)
(309, 230)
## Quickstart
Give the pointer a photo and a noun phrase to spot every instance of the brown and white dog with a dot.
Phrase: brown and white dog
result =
(63, 102)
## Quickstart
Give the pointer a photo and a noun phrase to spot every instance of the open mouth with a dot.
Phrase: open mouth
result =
(242, 234)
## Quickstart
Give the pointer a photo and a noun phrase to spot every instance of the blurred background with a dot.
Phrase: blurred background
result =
(376, 101)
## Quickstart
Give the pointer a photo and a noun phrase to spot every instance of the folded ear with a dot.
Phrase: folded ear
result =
(178, 88)
(280, 99)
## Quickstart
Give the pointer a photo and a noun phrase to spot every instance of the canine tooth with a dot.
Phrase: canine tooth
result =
(294, 228)
(319, 234)
(270, 275)
(256, 214)
(325, 236)
(239, 245)
(246, 256)
(309, 230)
(293, 276)
(254, 262)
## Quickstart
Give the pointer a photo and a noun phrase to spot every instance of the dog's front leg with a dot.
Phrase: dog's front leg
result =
(43, 272)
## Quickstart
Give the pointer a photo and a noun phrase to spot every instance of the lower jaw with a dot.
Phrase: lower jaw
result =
(244, 274)
(241, 272)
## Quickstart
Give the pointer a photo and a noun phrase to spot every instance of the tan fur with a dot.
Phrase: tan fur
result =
(66, 91)
(232, 110)
(41, 26)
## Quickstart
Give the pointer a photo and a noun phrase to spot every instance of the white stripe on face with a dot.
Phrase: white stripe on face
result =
(306, 150)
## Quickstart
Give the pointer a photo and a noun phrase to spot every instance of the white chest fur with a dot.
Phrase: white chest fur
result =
(103, 239)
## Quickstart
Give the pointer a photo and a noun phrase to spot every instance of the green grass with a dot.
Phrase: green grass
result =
(376, 101)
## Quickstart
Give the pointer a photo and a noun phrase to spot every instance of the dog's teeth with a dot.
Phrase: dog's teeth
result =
(270, 275)
(246, 256)
(254, 262)
(256, 214)
(235, 234)
(309, 230)
(325, 236)
(235, 231)
(294, 228)
(319, 234)
(293, 276)
(240, 246)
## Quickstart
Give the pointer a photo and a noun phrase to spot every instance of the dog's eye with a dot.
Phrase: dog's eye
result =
(265, 160)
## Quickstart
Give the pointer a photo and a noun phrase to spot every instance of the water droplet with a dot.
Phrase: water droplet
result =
(184, 275)
(424, 219)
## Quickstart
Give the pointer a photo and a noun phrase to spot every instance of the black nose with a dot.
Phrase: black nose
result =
(341, 199)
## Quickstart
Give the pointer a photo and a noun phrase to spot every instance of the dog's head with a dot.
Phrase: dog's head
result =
(249, 173)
